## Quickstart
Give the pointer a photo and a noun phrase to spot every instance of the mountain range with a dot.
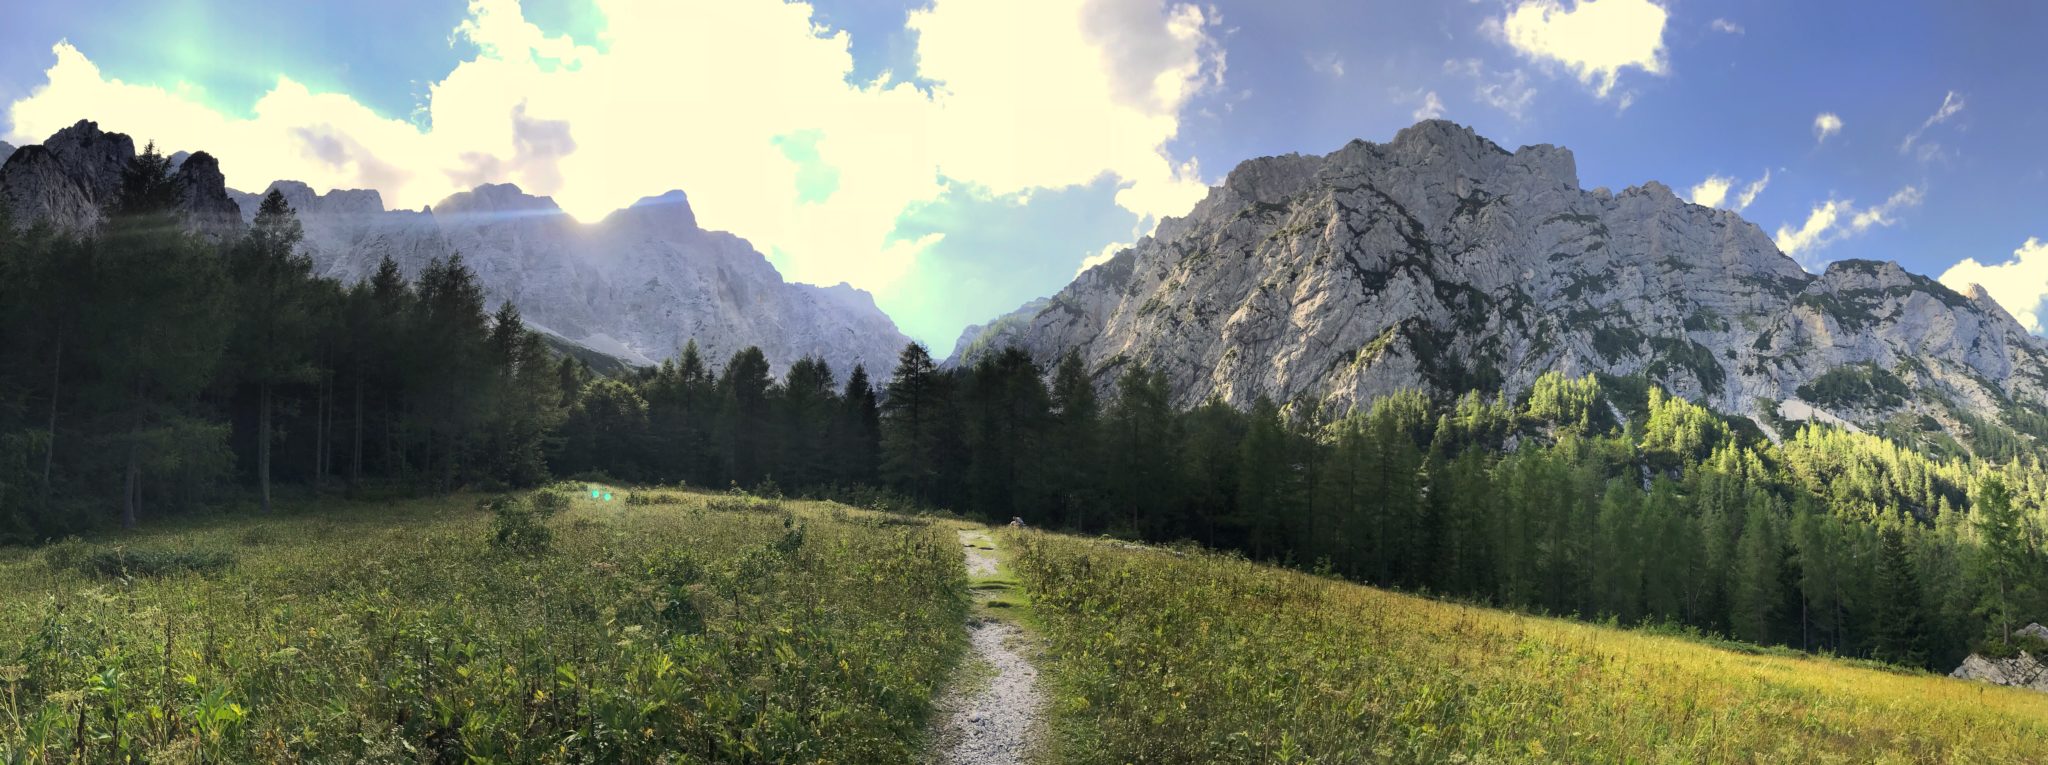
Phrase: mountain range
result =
(1437, 261)
(1440, 261)
(633, 287)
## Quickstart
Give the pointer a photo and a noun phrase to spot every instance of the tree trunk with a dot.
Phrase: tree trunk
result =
(131, 494)
(50, 446)
(355, 467)
(319, 432)
(131, 490)
(263, 445)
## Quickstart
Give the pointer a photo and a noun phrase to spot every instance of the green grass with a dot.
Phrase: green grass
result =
(1171, 657)
(769, 632)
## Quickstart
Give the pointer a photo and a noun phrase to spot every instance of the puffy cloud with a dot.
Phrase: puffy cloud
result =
(1837, 219)
(1596, 39)
(744, 104)
(1713, 192)
(1951, 105)
(1431, 108)
(1726, 27)
(2019, 284)
(1825, 124)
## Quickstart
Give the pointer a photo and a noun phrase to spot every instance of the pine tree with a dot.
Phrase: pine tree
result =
(808, 407)
(744, 417)
(2005, 559)
(1899, 636)
(1619, 580)
(1074, 445)
(273, 326)
(156, 339)
(1755, 593)
(1141, 452)
(911, 417)
(857, 443)
(1008, 414)
(1265, 483)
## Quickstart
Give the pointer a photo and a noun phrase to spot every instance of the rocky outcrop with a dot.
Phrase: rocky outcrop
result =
(1444, 262)
(2021, 670)
(69, 181)
(636, 285)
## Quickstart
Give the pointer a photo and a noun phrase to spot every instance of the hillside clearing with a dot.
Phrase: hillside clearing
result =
(1196, 657)
(669, 625)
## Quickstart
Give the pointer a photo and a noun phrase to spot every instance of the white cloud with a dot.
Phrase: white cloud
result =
(1596, 39)
(1108, 251)
(1507, 91)
(1327, 63)
(1713, 192)
(1431, 108)
(1726, 26)
(2019, 284)
(1825, 124)
(1750, 192)
(1838, 219)
(1951, 104)
(694, 96)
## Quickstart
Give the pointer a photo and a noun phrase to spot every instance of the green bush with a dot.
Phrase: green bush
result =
(517, 526)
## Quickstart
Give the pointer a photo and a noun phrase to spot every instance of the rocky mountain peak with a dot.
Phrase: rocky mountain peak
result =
(495, 198)
(71, 178)
(635, 286)
(208, 207)
(1441, 262)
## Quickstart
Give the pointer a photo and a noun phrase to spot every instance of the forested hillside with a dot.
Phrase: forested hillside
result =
(151, 373)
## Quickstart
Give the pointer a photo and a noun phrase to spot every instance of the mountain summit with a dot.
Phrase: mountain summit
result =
(1443, 262)
(635, 286)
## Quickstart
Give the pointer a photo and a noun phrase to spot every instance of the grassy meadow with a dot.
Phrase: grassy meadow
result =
(660, 626)
(1175, 657)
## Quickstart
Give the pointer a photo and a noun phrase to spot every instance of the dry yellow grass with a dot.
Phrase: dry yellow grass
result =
(1202, 658)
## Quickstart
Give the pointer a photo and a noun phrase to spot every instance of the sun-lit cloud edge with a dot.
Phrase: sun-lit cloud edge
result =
(661, 104)
(2019, 284)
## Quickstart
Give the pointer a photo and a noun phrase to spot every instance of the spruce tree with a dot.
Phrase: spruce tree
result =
(911, 416)
(273, 325)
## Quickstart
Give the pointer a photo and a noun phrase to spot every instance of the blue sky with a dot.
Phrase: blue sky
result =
(964, 172)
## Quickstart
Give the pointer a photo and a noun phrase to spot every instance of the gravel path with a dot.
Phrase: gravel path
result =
(980, 562)
(996, 723)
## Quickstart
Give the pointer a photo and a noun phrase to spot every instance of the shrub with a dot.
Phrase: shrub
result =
(652, 498)
(549, 502)
(517, 527)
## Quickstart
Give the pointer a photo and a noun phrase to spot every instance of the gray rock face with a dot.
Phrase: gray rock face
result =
(70, 179)
(2020, 671)
(1443, 262)
(637, 285)
(67, 180)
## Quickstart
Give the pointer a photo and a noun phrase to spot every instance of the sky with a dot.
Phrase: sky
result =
(958, 158)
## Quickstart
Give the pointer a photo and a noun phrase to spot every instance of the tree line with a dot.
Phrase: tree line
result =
(151, 372)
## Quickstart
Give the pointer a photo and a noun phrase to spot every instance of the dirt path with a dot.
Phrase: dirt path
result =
(996, 719)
